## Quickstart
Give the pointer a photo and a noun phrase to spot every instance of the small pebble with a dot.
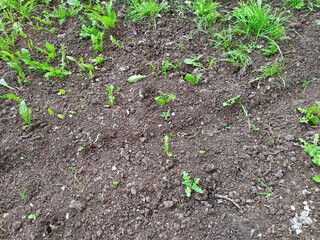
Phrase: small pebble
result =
(293, 208)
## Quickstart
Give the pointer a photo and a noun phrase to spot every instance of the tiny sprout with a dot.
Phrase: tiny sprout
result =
(116, 182)
(81, 148)
(62, 92)
(61, 116)
(23, 195)
(32, 216)
(50, 111)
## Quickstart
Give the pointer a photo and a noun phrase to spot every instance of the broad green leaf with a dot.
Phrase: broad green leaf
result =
(4, 83)
(61, 116)
(25, 54)
(190, 78)
(62, 91)
(108, 21)
(316, 178)
(32, 216)
(50, 111)
(136, 78)
(25, 112)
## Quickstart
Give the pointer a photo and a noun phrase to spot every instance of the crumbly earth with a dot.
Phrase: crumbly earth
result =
(125, 143)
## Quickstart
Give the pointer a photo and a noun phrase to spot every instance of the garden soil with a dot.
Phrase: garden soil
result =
(127, 189)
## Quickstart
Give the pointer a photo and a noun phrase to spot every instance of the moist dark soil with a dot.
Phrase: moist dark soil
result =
(127, 190)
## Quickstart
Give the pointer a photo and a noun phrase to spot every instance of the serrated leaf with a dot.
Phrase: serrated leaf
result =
(4, 83)
(136, 78)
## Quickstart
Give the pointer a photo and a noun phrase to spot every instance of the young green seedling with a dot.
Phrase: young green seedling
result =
(97, 60)
(75, 175)
(311, 114)
(193, 61)
(225, 128)
(163, 99)
(314, 151)
(111, 96)
(166, 148)
(32, 216)
(306, 81)
(232, 101)
(23, 195)
(166, 115)
(264, 193)
(167, 65)
(193, 79)
(25, 113)
(114, 41)
(191, 185)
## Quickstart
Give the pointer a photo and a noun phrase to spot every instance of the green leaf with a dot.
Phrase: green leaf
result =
(314, 120)
(12, 96)
(62, 92)
(50, 111)
(61, 116)
(4, 83)
(190, 78)
(32, 216)
(231, 101)
(316, 178)
(108, 21)
(25, 112)
(202, 151)
(81, 148)
(188, 191)
(317, 21)
(136, 78)
(73, 112)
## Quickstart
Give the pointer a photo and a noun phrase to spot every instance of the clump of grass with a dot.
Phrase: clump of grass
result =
(255, 18)
(296, 4)
(140, 9)
(206, 11)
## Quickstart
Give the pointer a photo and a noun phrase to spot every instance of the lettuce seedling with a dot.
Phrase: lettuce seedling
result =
(111, 96)
(25, 113)
(193, 79)
(165, 114)
(193, 61)
(191, 185)
(163, 99)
